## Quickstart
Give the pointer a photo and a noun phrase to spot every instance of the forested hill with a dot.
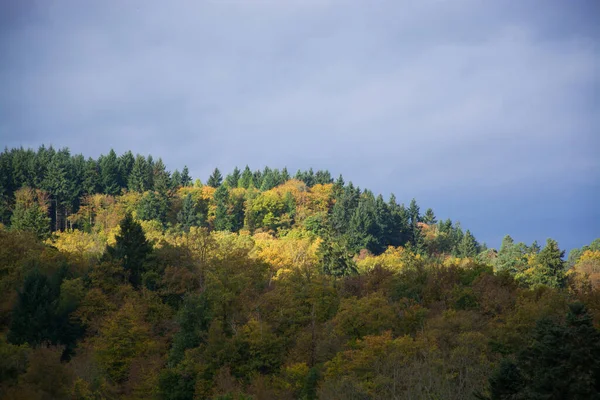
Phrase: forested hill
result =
(120, 279)
(65, 188)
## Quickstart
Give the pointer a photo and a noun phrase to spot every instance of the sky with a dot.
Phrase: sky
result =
(486, 111)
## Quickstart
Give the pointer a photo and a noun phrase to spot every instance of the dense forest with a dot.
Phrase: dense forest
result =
(122, 280)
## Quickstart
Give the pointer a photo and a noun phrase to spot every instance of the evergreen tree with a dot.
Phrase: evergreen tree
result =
(551, 267)
(132, 249)
(186, 180)
(190, 215)
(91, 177)
(222, 218)
(162, 178)
(323, 177)
(233, 179)
(41, 315)
(429, 217)
(246, 179)
(139, 177)
(31, 212)
(468, 246)
(285, 175)
(268, 180)
(215, 179)
(194, 319)
(176, 179)
(153, 206)
(126, 161)
(109, 171)
(335, 260)
(343, 209)
(561, 362)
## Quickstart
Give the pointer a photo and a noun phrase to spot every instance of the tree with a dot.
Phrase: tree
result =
(215, 179)
(162, 178)
(132, 249)
(31, 212)
(190, 215)
(233, 179)
(222, 217)
(246, 179)
(109, 171)
(429, 217)
(176, 179)
(468, 246)
(186, 180)
(126, 162)
(551, 269)
(194, 319)
(561, 362)
(153, 206)
(139, 178)
(43, 310)
(335, 260)
(91, 177)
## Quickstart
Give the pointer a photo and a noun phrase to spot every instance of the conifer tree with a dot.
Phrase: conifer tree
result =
(246, 179)
(190, 215)
(162, 178)
(233, 179)
(139, 177)
(222, 218)
(186, 180)
(215, 179)
(429, 217)
(109, 171)
(132, 249)
(468, 246)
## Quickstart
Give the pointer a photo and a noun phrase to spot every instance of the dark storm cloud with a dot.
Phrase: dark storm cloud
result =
(486, 111)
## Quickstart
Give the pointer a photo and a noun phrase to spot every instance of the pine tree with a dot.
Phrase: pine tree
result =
(215, 179)
(132, 249)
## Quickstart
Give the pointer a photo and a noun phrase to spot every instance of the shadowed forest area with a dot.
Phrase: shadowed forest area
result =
(122, 280)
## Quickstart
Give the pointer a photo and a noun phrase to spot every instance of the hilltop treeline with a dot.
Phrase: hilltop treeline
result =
(120, 280)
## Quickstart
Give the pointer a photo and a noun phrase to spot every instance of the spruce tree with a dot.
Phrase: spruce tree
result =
(222, 218)
(139, 177)
(132, 249)
(246, 178)
(468, 246)
(429, 217)
(215, 179)
(162, 178)
(233, 179)
(186, 180)
(190, 215)
(109, 171)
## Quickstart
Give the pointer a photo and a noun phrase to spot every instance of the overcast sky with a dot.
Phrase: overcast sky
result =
(486, 111)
